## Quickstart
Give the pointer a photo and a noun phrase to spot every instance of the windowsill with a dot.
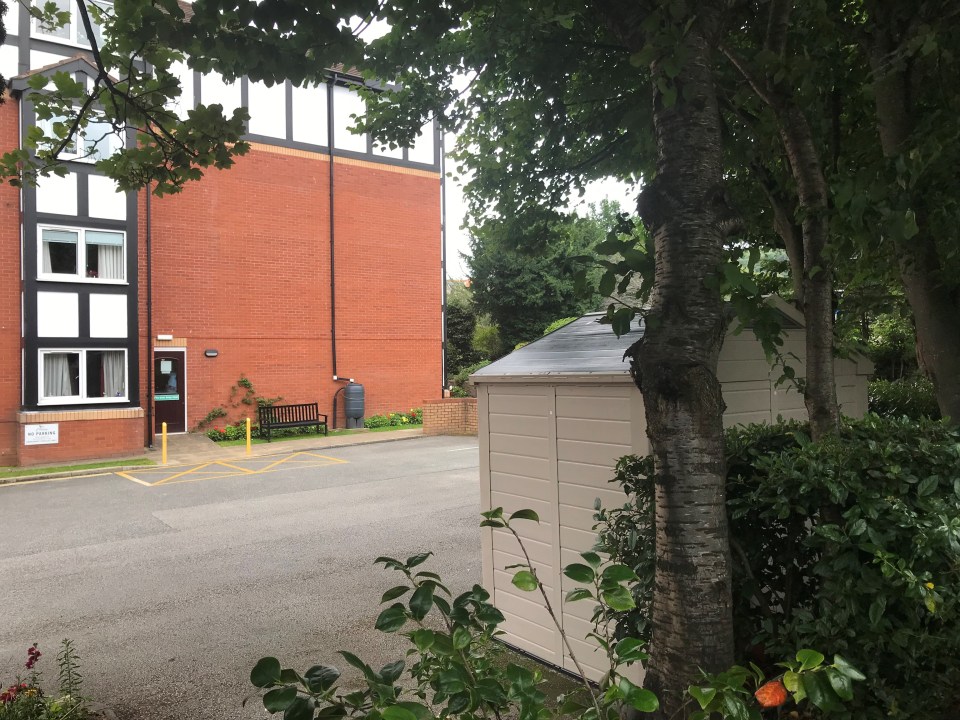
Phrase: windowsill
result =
(77, 279)
(69, 42)
(80, 401)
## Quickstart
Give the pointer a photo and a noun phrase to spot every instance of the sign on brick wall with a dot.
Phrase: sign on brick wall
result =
(46, 434)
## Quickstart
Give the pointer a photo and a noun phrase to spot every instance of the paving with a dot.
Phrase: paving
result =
(173, 587)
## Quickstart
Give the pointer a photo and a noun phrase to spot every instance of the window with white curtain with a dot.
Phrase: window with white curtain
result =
(81, 254)
(82, 376)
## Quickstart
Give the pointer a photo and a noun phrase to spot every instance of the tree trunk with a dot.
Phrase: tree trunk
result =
(675, 367)
(935, 305)
(820, 389)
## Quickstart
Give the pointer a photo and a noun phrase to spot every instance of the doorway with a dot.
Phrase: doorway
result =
(170, 389)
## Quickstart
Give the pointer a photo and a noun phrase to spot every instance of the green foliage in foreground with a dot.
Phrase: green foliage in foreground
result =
(912, 397)
(456, 674)
(25, 698)
(852, 543)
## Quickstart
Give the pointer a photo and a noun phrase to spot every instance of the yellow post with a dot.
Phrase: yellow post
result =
(163, 442)
(248, 436)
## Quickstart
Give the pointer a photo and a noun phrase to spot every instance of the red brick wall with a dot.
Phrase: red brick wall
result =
(10, 356)
(242, 265)
(450, 416)
(87, 440)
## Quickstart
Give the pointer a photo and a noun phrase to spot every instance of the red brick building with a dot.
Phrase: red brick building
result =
(317, 255)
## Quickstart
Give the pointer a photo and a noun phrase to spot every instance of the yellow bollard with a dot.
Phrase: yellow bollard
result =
(163, 442)
(248, 436)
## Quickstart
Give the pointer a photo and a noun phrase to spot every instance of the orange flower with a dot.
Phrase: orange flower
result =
(771, 694)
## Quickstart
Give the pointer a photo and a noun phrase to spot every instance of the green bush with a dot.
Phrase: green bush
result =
(913, 397)
(487, 341)
(851, 544)
(395, 419)
(459, 381)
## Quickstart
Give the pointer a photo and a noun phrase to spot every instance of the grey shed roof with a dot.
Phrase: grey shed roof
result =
(583, 347)
(587, 349)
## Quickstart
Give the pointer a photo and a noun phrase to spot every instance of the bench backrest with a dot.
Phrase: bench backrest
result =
(303, 412)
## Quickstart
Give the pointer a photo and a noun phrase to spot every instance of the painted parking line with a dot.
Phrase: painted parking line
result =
(217, 469)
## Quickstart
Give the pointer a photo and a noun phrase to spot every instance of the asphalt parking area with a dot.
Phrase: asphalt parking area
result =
(152, 476)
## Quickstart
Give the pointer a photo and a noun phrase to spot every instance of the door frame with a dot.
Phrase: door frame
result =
(186, 399)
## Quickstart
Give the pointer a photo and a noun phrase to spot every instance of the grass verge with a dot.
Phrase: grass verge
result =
(333, 433)
(23, 472)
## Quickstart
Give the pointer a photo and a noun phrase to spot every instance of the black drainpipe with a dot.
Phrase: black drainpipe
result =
(333, 285)
(150, 432)
(443, 269)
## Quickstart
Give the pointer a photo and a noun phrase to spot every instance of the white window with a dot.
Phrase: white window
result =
(81, 254)
(73, 31)
(82, 376)
(97, 141)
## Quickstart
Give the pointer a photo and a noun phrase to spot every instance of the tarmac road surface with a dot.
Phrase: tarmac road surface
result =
(172, 591)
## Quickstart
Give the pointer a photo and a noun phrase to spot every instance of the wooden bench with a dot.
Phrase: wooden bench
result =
(275, 417)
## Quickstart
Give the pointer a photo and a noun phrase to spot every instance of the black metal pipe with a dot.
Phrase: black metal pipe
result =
(333, 283)
(149, 240)
(443, 268)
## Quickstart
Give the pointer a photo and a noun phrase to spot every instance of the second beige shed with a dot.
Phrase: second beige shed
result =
(554, 417)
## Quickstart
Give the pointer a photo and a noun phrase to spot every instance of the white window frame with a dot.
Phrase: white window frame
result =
(82, 384)
(37, 30)
(80, 276)
(78, 152)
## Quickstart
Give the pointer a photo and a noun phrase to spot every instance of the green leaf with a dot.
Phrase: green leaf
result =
(461, 638)
(450, 682)
(279, 699)
(593, 560)
(391, 672)
(422, 638)
(809, 659)
(418, 559)
(395, 712)
(394, 593)
(420, 712)
(791, 681)
(525, 580)
(618, 599)
(928, 485)
(300, 709)
(734, 707)
(321, 677)
(579, 573)
(847, 669)
(630, 650)
(637, 697)
(421, 601)
(525, 514)
(703, 695)
(578, 594)
(359, 665)
(877, 608)
(265, 673)
(841, 684)
(820, 691)
(619, 573)
(392, 619)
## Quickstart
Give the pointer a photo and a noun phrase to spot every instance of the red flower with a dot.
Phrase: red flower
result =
(772, 694)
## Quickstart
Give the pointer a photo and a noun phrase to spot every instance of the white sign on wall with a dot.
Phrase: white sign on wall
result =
(48, 434)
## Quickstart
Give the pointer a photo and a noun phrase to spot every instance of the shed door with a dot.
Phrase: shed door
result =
(552, 449)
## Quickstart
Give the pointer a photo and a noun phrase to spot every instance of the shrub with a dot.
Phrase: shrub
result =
(487, 341)
(460, 379)
(852, 543)
(395, 419)
(913, 397)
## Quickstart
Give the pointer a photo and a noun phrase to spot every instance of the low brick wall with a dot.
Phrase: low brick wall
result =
(450, 416)
(84, 435)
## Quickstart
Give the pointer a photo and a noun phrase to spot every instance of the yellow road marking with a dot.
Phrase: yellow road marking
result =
(208, 471)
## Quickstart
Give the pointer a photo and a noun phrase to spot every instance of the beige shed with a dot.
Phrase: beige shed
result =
(555, 415)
